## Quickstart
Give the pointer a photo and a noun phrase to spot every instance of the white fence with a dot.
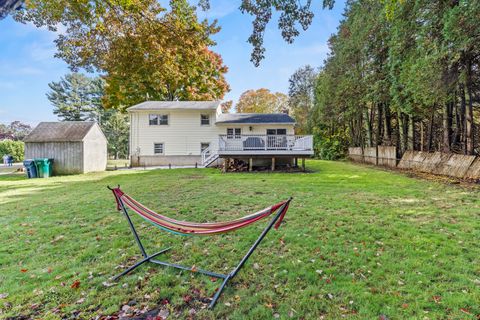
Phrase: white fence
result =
(265, 143)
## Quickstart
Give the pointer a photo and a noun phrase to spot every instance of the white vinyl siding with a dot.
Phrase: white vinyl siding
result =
(182, 136)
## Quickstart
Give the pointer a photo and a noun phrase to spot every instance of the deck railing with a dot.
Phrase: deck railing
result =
(265, 143)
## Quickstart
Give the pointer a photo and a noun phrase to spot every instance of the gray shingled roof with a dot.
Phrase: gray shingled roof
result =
(254, 118)
(159, 105)
(60, 131)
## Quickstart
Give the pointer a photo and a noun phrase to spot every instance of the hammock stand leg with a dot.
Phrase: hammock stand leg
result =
(249, 253)
(149, 258)
(146, 257)
(225, 278)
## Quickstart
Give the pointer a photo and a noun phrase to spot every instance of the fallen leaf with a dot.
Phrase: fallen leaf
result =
(256, 266)
(3, 295)
(80, 301)
(58, 238)
(107, 284)
(194, 268)
(23, 270)
(437, 299)
(75, 284)
(405, 305)
(465, 310)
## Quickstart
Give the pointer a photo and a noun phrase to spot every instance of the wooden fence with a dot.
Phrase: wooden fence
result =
(387, 156)
(448, 164)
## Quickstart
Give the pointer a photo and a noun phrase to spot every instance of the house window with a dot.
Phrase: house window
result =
(276, 132)
(158, 119)
(153, 119)
(203, 146)
(205, 119)
(163, 119)
(158, 148)
(234, 133)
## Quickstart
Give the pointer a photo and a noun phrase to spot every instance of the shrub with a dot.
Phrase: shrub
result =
(13, 148)
(330, 147)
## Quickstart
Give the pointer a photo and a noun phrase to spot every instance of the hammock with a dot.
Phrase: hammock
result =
(192, 228)
(124, 201)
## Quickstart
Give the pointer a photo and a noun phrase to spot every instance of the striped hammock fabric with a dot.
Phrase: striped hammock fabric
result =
(193, 228)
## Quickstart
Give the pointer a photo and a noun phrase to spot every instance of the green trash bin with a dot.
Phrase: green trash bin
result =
(44, 167)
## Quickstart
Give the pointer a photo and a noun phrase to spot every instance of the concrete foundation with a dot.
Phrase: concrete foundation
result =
(149, 161)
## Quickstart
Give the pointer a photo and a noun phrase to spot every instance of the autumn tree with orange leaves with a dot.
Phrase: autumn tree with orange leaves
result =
(142, 50)
(262, 101)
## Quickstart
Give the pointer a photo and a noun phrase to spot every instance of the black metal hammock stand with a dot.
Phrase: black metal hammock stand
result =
(192, 228)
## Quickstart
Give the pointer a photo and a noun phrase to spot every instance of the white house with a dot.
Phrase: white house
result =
(196, 132)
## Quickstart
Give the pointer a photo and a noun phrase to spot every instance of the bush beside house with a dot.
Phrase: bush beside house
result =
(13, 148)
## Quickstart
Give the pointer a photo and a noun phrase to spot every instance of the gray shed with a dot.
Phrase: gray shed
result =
(75, 146)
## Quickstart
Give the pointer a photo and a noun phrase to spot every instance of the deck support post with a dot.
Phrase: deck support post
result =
(250, 164)
(303, 164)
(295, 162)
(273, 164)
(226, 163)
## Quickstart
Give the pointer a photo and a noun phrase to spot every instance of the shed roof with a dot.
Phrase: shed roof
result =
(159, 105)
(255, 118)
(68, 131)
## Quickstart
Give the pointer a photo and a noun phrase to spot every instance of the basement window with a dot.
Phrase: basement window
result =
(158, 148)
(203, 146)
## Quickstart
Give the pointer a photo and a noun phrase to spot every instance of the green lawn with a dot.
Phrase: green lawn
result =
(356, 242)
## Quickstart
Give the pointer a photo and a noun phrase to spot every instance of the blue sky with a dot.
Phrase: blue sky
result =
(27, 64)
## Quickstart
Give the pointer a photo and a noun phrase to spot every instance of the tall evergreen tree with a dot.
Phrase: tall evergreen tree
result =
(76, 97)
(406, 77)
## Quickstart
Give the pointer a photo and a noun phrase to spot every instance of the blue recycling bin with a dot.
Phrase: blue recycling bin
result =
(31, 168)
